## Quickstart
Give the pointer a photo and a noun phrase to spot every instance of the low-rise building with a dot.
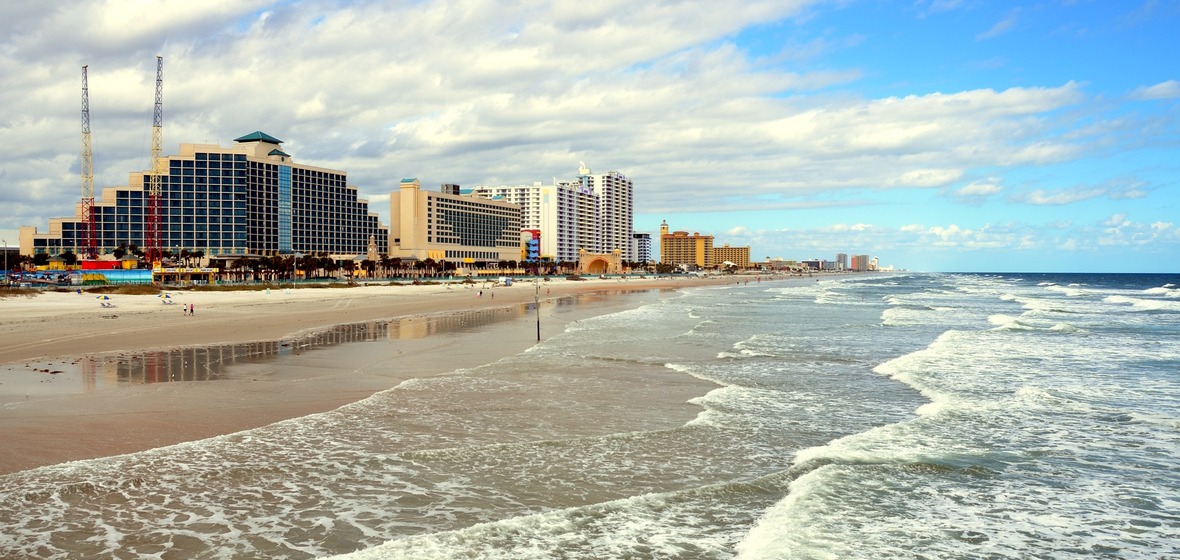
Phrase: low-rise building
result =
(739, 256)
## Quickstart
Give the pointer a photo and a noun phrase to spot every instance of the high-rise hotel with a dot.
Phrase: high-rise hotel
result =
(593, 212)
(248, 199)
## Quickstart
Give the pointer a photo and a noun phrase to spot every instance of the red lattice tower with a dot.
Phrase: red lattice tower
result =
(152, 231)
(89, 243)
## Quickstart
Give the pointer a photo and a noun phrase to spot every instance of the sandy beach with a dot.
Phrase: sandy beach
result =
(55, 407)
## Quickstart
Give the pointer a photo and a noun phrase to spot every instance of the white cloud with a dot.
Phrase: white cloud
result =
(1163, 90)
(1118, 231)
(1003, 26)
(842, 228)
(947, 233)
(1116, 220)
(979, 189)
(1044, 197)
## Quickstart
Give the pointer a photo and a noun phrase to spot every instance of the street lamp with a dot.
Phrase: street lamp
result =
(5, 241)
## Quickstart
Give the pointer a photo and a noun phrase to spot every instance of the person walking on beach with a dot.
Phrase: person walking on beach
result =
(184, 309)
(191, 309)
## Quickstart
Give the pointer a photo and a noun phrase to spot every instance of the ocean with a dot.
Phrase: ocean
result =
(862, 416)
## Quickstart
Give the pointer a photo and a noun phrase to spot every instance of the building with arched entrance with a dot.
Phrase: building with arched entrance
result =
(600, 263)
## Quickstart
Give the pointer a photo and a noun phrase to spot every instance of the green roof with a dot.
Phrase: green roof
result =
(259, 136)
(278, 152)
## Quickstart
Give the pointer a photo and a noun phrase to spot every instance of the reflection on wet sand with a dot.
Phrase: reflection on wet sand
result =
(213, 363)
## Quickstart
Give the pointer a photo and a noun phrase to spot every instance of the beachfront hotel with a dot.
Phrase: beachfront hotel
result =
(250, 199)
(641, 247)
(679, 248)
(739, 256)
(593, 213)
(450, 226)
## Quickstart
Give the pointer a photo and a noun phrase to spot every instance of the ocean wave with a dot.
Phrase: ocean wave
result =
(1144, 304)
(908, 367)
(686, 369)
(658, 525)
(1072, 290)
(1167, 290)
(1008, 322)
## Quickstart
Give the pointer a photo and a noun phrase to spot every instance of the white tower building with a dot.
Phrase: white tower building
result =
(593, 213)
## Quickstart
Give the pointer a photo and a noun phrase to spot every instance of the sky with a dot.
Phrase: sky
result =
(935, 135)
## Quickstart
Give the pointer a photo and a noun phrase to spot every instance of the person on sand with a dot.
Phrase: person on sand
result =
(184, 309)
(192, 309)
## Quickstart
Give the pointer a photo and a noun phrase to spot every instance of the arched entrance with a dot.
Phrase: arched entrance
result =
(600, 263)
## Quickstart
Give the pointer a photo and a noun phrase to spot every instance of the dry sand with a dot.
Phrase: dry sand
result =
(48, 418)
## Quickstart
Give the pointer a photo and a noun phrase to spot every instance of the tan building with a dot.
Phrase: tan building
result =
(448, 226)
(860, 263)
(739, 256)
(679, 248)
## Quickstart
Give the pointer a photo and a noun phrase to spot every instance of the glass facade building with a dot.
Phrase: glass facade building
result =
(249, 199)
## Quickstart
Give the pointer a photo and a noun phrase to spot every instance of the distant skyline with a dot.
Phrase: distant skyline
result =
(939, 135)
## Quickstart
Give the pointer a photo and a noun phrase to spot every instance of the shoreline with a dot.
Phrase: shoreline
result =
(44, 423)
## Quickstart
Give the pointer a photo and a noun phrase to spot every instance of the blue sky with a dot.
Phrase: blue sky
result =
(935, 135)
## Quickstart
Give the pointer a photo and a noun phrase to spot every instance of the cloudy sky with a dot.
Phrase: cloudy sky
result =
(949, 135)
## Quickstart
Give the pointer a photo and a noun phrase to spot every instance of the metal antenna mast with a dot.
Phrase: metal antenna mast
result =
(90, 245)
(152, 233)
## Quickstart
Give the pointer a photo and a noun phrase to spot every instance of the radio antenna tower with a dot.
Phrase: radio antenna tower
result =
(90, 245)
(152, 231)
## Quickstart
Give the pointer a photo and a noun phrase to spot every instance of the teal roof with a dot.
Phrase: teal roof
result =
(259, 136)
(278, 152)
(409, 179)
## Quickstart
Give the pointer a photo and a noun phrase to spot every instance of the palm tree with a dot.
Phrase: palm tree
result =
(243, 263)
(385, 262)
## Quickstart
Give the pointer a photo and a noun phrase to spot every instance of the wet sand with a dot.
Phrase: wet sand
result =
(85, 411)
